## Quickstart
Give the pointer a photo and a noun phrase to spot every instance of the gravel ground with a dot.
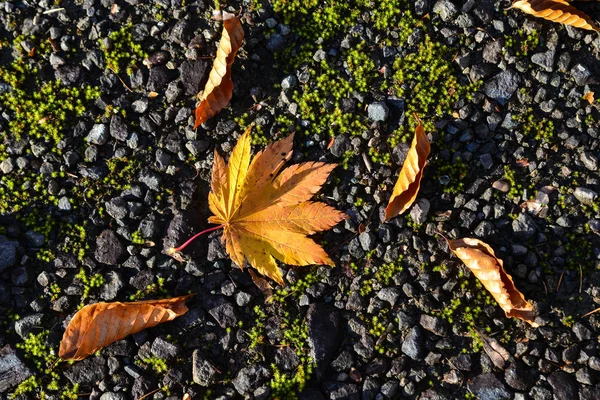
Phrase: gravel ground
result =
(99, 175)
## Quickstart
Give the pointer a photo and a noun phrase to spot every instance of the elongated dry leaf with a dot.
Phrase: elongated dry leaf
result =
(219, 88)
(263, 285)
(409, 180)
(557, 11)
(480, 259)
(494, 350)
(267, 215)
(98, 325)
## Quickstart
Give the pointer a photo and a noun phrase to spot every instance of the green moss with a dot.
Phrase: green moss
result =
(452, 176)
(122, 52)
(521, 44)
(542, 129)
(285, 385)
(568, 321)
(159, 365)
(426, 79)
(155, 289)
(42, 356)
(319, 103)
(89, 283)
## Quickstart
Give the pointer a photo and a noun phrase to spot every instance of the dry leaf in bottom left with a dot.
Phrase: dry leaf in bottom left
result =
(480, 259)
(98, 325)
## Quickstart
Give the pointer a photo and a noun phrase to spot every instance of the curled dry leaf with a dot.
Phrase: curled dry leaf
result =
(263, 285)
(267, 215)
(480, 259)
(494, 350)
(589, 97)
(98, 325)
(557, 11)
(219, 88)
(406, 188)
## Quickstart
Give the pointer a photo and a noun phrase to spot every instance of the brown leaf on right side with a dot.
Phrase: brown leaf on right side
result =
(480, 259)
(97, 325)
(557, 11)
(219, 88)
(409, 180)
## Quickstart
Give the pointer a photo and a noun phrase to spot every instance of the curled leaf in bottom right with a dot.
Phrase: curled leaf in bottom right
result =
(480, 259)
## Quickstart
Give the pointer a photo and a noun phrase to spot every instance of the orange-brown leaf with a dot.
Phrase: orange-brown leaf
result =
(98, 325)
(266, 214)
(480, 259)
(406, 188)
(589, 96)
(263, 285)
(557, 11)
(219, 88)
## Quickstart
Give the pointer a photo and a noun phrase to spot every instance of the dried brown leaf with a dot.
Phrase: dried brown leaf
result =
(480, 259)
(98, 325)
(219, 88)
(557, 11)
(262, 284)
(409, 180)
(494, 350)
(589, 97)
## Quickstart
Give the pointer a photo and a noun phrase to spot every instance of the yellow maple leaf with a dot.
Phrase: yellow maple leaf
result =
(267, 215)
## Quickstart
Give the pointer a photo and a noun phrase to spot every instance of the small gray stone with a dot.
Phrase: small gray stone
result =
(502, 86)
(196, 147)
(27, 324)
(419, 211)
(113, 396)
(389, 294)
(446, 9)
(486, 160)
(98, 134)
(433, 324)
(589, 160)
(12, 370)
(8, 253)
(203, 373)
(7, 166)
(163, 349)
(289, 82)
(249, 377)
(563, 386)
(113, 283)
(545, 60)
(221, 310)
(325, 332)
(524, 227)
(140, 106)
(116, 208)
(581, 74)
(585, 196)
(367, 241)
(88, 371)
(378, 111)
(488, 387)
(109, 248)
(412, 345)
(276, 43)
(64, 204)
